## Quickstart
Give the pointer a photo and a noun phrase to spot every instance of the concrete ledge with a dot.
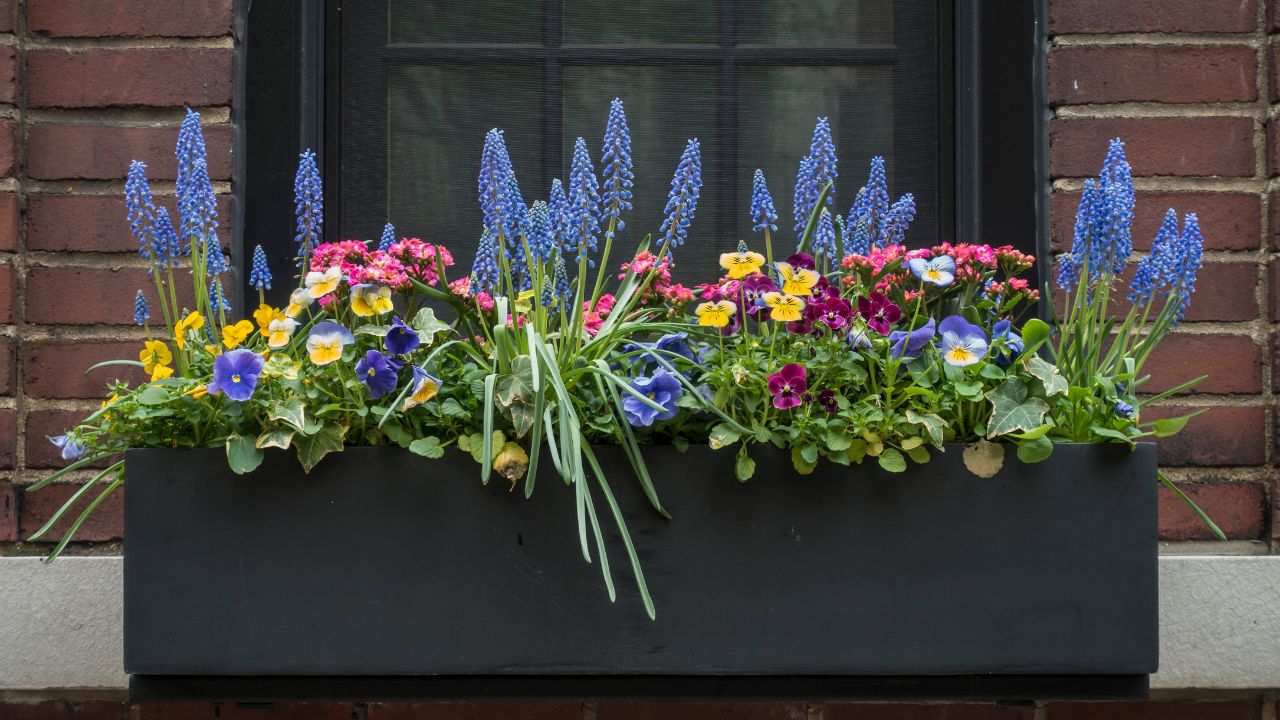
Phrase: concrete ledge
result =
(1220, 623)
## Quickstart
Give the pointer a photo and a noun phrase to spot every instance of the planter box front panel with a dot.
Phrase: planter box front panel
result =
(383, 563)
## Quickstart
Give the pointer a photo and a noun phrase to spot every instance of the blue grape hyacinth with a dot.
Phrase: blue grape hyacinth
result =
(388, 237)
(197, 206)
(823, 244)
(560, 214)
(166, 238)
(1156, 271)
(141, 310)
(484, 271)
(682, 200)
(763, 212)
(804, 197)
(584, 201)
(308, 199)
(140, 208)
(494, 183)
(259, 271)
(619, 177)
(541, 243)
(217, 299)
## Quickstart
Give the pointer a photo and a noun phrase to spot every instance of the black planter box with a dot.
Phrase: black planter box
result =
(384, 575)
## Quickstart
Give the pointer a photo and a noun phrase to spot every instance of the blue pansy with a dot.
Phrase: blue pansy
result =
(235, 374)
(961, 342)
(70, 447)
(401, 339)
(1009, 343)
(908, 345)
(662, 388)
(378, 373)
(940, 271)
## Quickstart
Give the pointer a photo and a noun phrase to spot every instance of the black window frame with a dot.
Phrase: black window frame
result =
(993, 147)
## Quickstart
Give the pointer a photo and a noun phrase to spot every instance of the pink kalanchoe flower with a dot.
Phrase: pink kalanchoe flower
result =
(788, 386)
(879, 312)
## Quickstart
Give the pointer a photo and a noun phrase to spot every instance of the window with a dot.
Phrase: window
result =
(398, 94)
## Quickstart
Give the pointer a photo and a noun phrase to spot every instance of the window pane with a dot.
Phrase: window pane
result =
(777, 111)
(512, 21)
(665, 107)
(438, 117)
(650, 21)
(814, 22)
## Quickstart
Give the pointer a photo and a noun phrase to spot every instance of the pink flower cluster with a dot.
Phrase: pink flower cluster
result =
(407, 259)
(462, 288)
(973, 262)
(593, 317)
(661, 291)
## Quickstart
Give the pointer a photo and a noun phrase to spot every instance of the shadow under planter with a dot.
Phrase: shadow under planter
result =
(383, 575)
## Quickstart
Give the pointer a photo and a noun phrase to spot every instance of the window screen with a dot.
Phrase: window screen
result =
(421, 82)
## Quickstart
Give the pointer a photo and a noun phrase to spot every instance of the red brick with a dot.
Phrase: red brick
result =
(103, 152)
(94, 18)
(147, 76)
(933, 711)
(8, 366)
(1232, 362)
(56, 369)
(1273, 148)
(8, 15)
(1109, 16)
(479, 711)
(104, 524)
(64, 710)
(1250, 709)
(290, 711)
(8, 74)
(91, 223)
(8, 221)
(1229, 221)
(1238, 509)
(1273, 64)
(44, 424)
(8, 147)
(1152, 73)
(89, 296)
(1274, 272)
(8, 513)
(8, 293)
(8, 439)
(1190, 146)
(1220, 436)
(695, 711)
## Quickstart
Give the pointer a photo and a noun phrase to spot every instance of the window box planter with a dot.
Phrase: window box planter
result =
(384, 575)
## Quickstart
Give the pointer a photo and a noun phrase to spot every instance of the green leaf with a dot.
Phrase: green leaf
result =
(810, 454)
(1034, 333)
(983, 458)
(919, 454)
(838, 439)
(991, 372)
(1110, 433)
(451, 408)
(722, 435)
(932, 424)
(243, 455)
(1033, 434)
(968, 389)
(275, 438)
(1012, 410)
(1164, 427)
(375, 330)
(428, 447)
(153, 395)
(892, 460)
(800, 464)
(1035, 450)
(291, 411)
(1213, 527)
(475, 442)
(313, 448)
(427, 325)
(1048, 374)
(745, 467)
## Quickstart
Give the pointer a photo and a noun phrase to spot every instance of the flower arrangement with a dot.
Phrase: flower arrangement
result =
(851, 348)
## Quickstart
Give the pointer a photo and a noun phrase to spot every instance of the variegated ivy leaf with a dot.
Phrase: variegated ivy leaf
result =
(932, 424)
(1012, 410)
(275, 438)
(291, 411)
(427, 325)
(1048, 374)
(313, 448)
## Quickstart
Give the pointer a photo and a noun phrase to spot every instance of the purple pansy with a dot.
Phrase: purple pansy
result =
(401, 339)
(1011, 342)
(788, 386)
(663, 388)
(827, 399)
(378, 373)
(754, 286)
(802, 261)
(235, 374)
(879, 311)
(70, 447)
(909, 344)
(832, 312)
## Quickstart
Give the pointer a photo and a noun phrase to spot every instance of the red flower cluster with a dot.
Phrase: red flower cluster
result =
(661, 292)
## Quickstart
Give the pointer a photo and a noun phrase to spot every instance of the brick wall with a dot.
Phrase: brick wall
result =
(87, 85)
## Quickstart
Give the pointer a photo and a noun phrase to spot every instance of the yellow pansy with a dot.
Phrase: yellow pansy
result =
(264, 315)
(160, 372)
(797, 281)
(299, 300)
(369, 300)
(741, 264)
(319, 284)
(280, 332)
(155, 357)
(234, 335)
(425, 387)
(716, 314)
(325, 342)
(524, 301)
(198, 391)
(193, 321)
(785, 308)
